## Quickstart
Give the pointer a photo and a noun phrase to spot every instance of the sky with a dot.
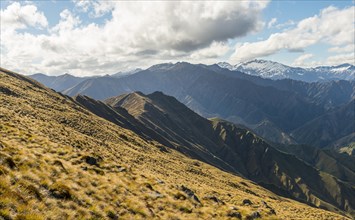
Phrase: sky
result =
(86, 38)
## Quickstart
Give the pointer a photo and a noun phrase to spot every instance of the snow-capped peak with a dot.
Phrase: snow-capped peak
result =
(225, 65)
(275, 70)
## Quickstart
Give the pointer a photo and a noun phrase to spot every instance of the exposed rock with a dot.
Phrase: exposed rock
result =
(190, 193)
(247, 202)
(253, 215)
(215, 199)
(91, 160)
(234, 214)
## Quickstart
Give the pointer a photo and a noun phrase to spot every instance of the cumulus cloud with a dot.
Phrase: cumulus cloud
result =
(343, 49)
(287, 24)
(341, 58)
(96, 8)
(137, 35)
(332, 26)
(302, 60)
(185, 26)
(67, 21)
(16, 16)
(215, 50)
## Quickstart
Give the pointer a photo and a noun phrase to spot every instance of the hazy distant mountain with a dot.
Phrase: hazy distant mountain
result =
(274, 70)
(66, 81)
(58, 83)
(327, 129)
(126, 73)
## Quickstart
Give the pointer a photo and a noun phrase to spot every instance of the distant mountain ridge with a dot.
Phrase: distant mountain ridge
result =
(58, 83)
(271, 108)
(275, 70)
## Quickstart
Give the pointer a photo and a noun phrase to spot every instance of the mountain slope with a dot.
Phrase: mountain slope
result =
(339, 165)
(285, 173)
(59, 160)
(256, 159)
(328, 94)
(328, 128)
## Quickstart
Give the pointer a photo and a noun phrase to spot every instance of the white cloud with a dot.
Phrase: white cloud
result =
(137, 35)
(287, 24)
(343, 49)
(272, 22)
(97, 8)
(16, 16)
(82, 5)
(67, 21)
(342, 58)
(302, 60)
(215, 50)
(332, 26)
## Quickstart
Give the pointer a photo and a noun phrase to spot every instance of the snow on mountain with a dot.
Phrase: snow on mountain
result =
(274, 70)
(225, 65)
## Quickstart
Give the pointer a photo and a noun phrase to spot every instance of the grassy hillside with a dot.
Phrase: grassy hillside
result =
(59, 161)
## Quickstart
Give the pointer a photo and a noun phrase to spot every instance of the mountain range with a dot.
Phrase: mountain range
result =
(147, 155)
(280, 111)
(274, 70)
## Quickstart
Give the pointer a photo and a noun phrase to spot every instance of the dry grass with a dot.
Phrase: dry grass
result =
(45, 140)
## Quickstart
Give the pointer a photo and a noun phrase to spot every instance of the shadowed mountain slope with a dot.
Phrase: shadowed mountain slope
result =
(326, 129)
(240, 149)
(337, 164)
